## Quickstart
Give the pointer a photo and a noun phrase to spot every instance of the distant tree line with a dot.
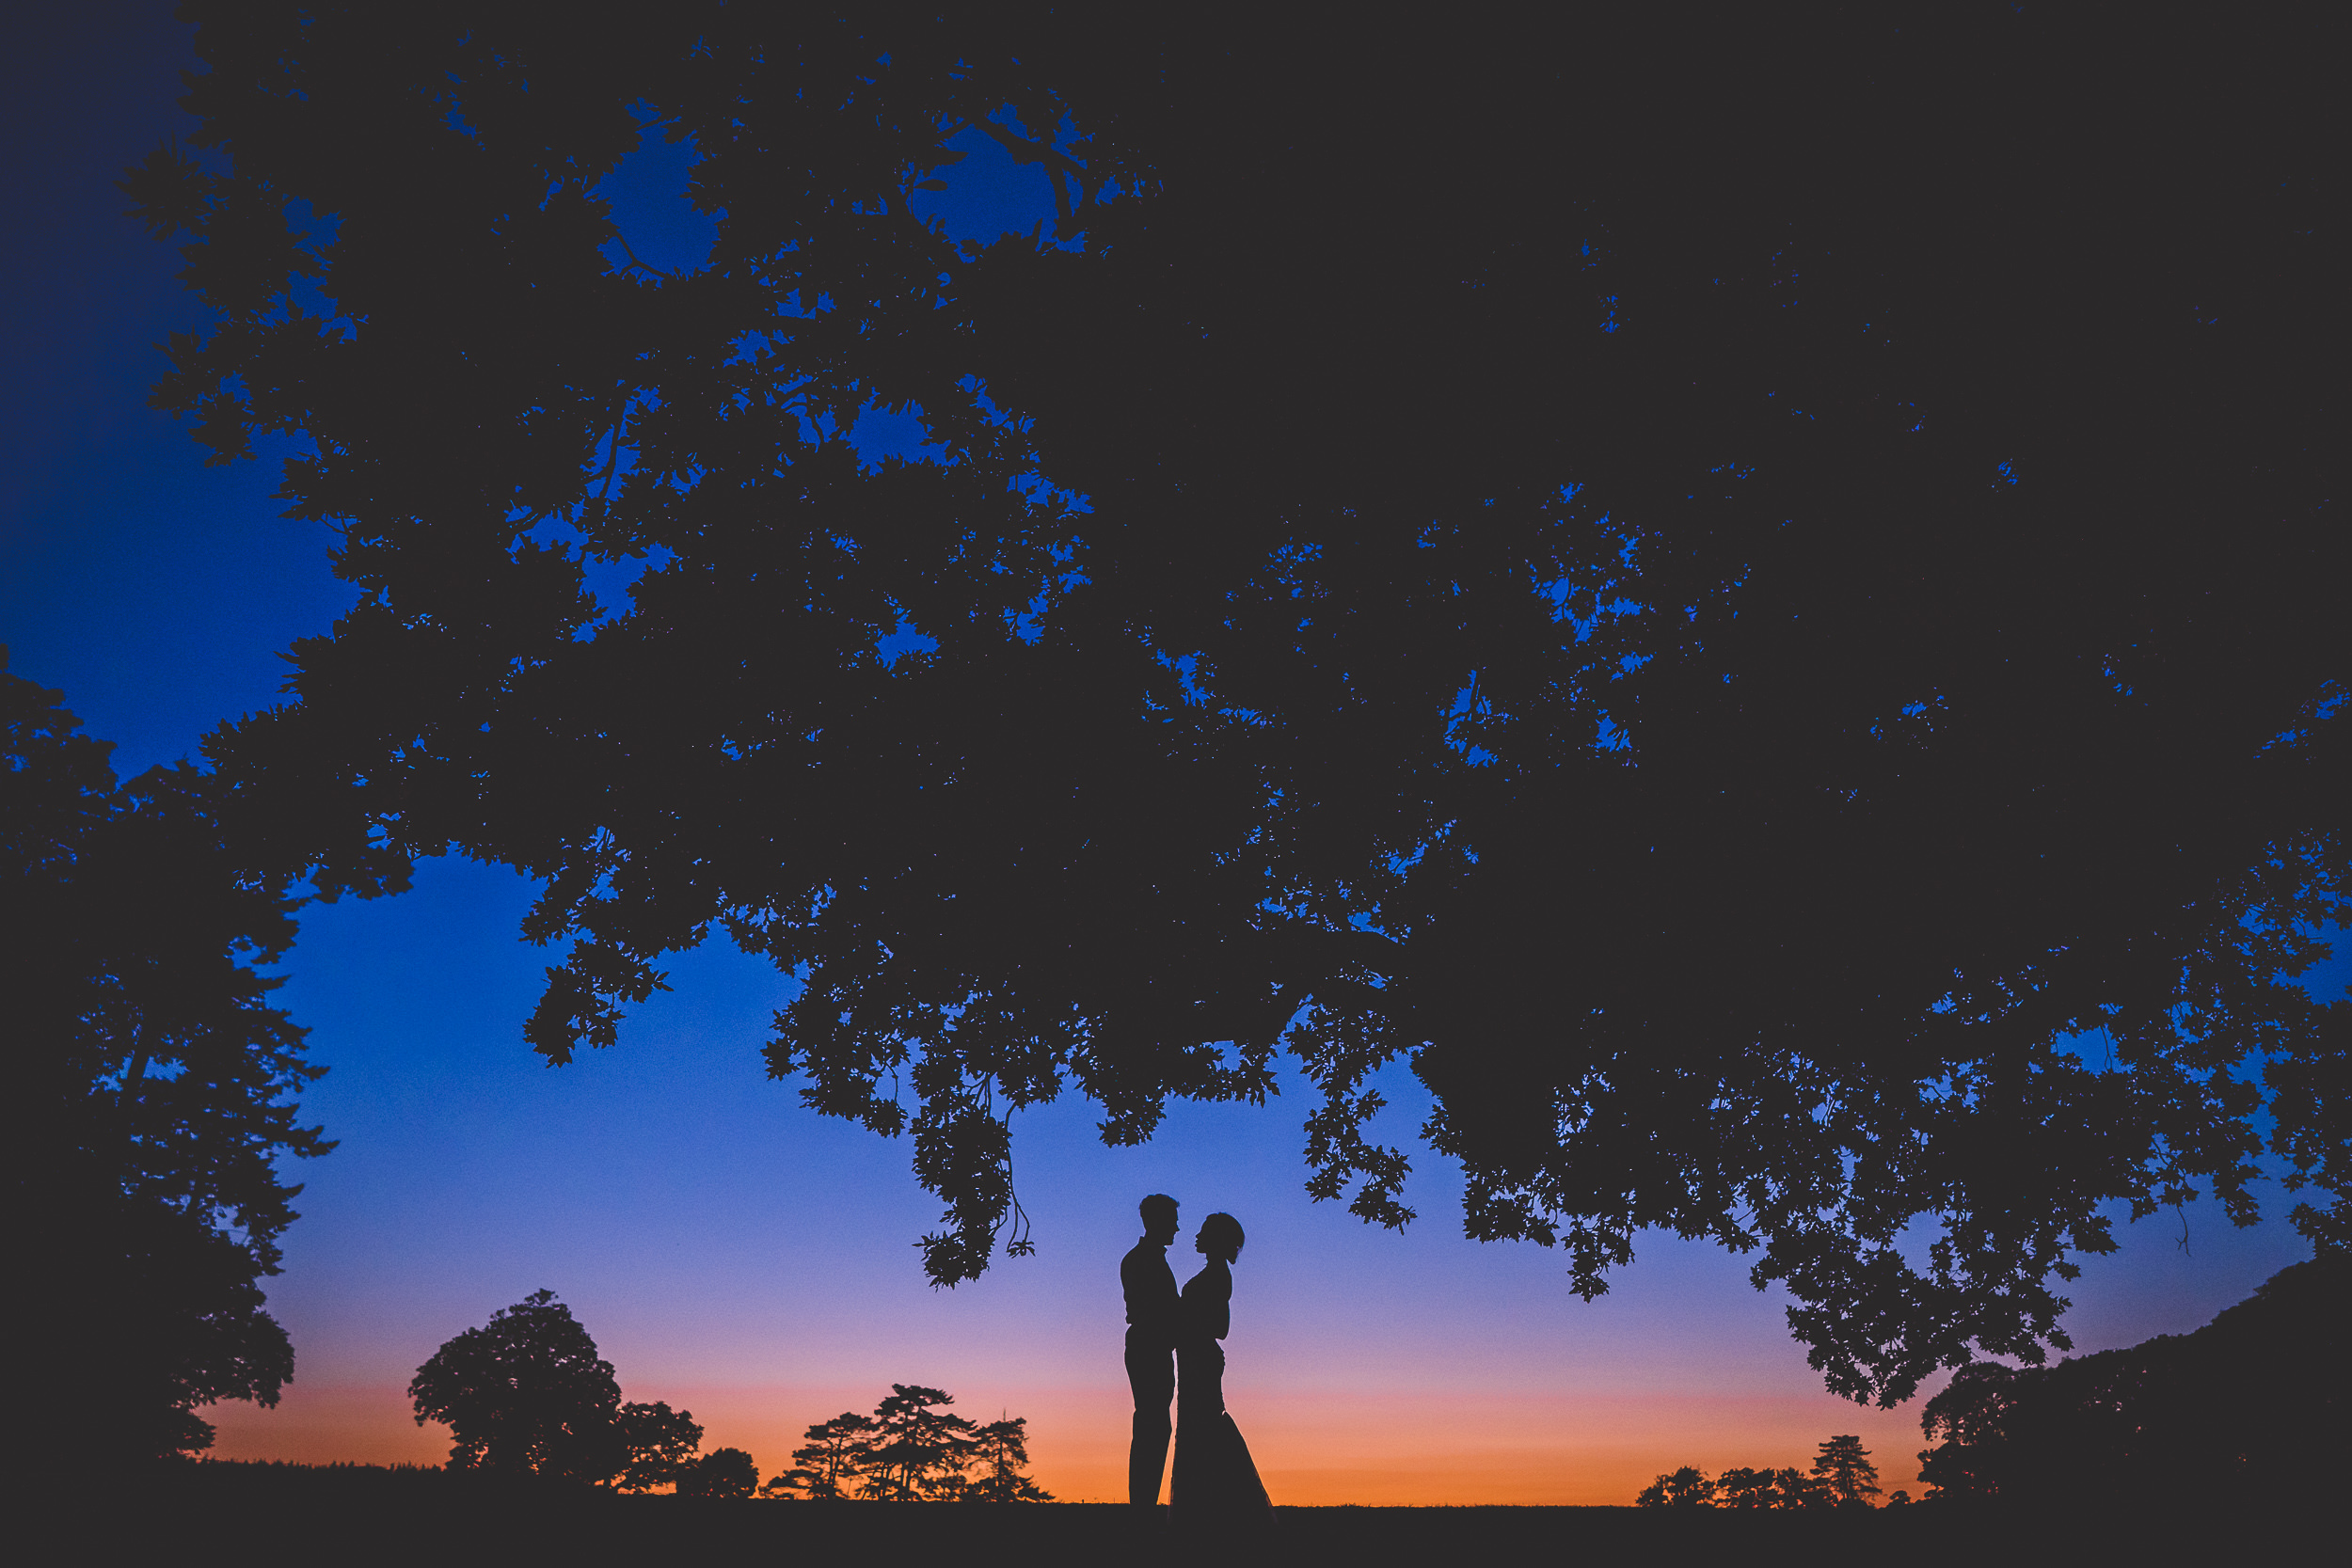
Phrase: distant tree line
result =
(912, 1449)
(526, 1397)
(2251, 1408)
(1842, 1476)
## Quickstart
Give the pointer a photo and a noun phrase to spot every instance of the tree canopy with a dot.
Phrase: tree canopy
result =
(830, 1461)
(1740, 1486)
(156, 1091)
(527, 1395)
(1686, 1487)
(1842, 1477)
(1757, 602)
(1001, 1455)
(912, 1448)
(1843, 1467)
(719, 1473)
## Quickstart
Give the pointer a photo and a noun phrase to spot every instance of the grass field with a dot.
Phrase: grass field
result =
(263, 1514)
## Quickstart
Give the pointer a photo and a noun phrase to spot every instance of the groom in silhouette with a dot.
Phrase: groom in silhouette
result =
(1151, 1308)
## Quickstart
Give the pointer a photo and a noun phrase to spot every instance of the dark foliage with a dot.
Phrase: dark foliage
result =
(1740, 1486)
(920, 1449)
(1686, 1487)
(659, 1445)
(1842, 1477)
(2251, 1407)
(912, 1448)
(831, 1461)
(719, 1473)
(154, 1092)
(1844, 1469)
(1756, 601)
(1000, 1455)
(527, 1396)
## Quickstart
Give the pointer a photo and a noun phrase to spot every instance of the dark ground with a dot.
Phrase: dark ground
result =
(266, 1515)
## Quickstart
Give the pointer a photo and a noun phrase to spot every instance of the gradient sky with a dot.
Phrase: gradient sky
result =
(730, 1251)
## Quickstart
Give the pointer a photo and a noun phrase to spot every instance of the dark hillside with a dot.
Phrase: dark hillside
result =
(2249, 1409)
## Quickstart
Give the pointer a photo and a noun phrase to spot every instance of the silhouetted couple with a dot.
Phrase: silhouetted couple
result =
(1215, 1487)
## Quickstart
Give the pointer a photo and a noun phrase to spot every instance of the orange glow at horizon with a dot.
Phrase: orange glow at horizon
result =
(1313, 1449)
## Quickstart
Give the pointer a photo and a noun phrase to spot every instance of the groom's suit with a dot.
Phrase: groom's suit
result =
(1153, 1307)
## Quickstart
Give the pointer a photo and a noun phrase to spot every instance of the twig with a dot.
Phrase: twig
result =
(633, 261)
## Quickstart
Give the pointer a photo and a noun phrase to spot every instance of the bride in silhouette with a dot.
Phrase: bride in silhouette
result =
(1215, 1487)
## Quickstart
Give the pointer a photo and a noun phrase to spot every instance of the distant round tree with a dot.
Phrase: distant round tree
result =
(720, 1473)
(1844, 1467)
(526, 1395)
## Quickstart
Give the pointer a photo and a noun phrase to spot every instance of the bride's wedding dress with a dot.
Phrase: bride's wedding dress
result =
(1216, 1485)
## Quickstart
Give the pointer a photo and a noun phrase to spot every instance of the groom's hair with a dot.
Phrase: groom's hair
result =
(1159, 1207)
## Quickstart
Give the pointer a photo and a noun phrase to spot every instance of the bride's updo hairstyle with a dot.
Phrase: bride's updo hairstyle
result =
(1223, 1234)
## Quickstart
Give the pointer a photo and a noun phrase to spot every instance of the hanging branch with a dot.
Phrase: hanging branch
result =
(1017, 1243)
(634, 261)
